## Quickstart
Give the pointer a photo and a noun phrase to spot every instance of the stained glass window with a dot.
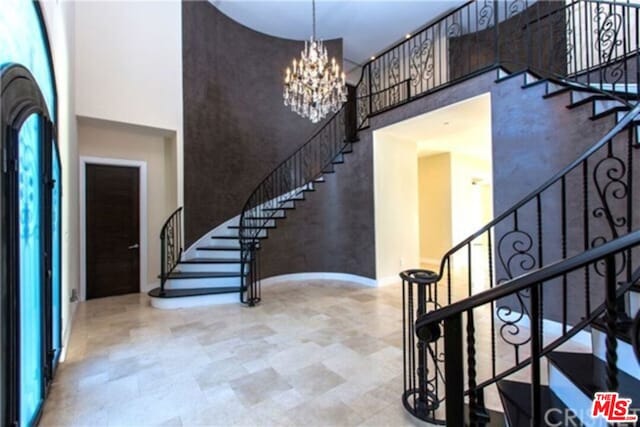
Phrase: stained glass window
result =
(30, 200)
(23, 41)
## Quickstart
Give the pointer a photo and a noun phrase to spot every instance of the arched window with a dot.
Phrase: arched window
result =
(30, 256)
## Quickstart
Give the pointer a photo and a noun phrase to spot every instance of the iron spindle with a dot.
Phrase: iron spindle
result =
(611, 342)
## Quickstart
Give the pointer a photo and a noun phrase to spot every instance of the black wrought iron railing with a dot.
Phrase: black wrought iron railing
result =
(468, 366)
(171, 246)
(585, 205)
(592, 43)
(589, 43)
(282, 187)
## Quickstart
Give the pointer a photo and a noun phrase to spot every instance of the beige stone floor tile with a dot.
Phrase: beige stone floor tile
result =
(259, 386)
(313, 380)
(322, 353)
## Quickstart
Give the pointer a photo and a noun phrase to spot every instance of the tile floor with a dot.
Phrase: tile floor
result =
(317, 353)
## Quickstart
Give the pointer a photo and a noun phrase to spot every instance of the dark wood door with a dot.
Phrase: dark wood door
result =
(112, 230)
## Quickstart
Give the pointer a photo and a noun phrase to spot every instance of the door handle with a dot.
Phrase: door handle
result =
(136, 246)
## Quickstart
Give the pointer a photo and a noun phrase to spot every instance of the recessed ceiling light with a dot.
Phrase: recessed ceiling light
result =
(407, 36)
(373, 57)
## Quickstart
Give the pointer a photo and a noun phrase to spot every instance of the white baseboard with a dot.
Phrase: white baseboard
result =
(146, 288)
(389, 280)
(344, 277)
(66, 334)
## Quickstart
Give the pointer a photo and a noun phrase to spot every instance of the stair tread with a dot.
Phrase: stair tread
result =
(178, 293)
(279, 209)
(263, 217)
(252, 227)
(236, 237)
(589, 374)
(609, 112)
(211, 261)
(202, 274)
(516, 401)
(218, 248)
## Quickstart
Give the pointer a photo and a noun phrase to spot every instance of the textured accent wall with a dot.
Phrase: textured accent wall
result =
(543, 23)
(237, 130)
(236, 127)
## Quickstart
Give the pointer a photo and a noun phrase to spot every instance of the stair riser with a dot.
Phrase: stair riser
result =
(572, 397)
(217, 267)
(529, 78)
(288, 204)
(601, 106)
(263, 214)
(621, 115)
(218, 254)
(227, 232)
(278, 214)
(195, 301)
(225, 242)
(626, 357)
(553, 88)
(579, 96)
(202, 283)
(261, 223)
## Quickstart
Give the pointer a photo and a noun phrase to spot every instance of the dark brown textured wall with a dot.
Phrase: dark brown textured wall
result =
(236, 128)
(333, 229)
(541, 25)
(534, 138)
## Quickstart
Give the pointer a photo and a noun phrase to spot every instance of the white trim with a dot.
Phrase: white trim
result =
(142, 167)
(66, 334)
(194, 301)
(343, 277)
(389, 280)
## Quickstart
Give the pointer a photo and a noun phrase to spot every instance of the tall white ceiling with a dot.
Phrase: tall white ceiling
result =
(366, 26)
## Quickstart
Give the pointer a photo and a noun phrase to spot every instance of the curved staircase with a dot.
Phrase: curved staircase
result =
(224, 264)
(560, 318)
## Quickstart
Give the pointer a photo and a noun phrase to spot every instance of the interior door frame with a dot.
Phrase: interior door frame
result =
(142, 170)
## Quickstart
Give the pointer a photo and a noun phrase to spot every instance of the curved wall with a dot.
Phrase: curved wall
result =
(236, 127)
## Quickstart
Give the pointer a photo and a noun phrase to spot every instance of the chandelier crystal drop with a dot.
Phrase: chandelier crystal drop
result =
(313, 86)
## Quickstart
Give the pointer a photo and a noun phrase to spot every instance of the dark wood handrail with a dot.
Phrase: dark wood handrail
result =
(532, 278)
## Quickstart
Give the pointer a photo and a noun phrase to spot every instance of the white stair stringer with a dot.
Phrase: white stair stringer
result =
(221, 246)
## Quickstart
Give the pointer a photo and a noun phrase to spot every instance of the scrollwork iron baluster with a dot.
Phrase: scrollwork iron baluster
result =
(421, 60)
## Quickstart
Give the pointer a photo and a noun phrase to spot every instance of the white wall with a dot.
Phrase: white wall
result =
(59, 19)
(434, 187)
(395, 163)
(129, 65)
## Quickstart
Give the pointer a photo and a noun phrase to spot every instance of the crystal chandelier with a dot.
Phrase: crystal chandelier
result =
(313, 87)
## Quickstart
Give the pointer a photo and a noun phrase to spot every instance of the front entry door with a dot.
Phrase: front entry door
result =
(112, 230)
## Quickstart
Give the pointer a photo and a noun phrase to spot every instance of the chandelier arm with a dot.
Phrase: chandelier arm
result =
(313, 7)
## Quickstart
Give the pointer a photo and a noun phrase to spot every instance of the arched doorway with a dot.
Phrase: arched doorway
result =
(29, 246)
